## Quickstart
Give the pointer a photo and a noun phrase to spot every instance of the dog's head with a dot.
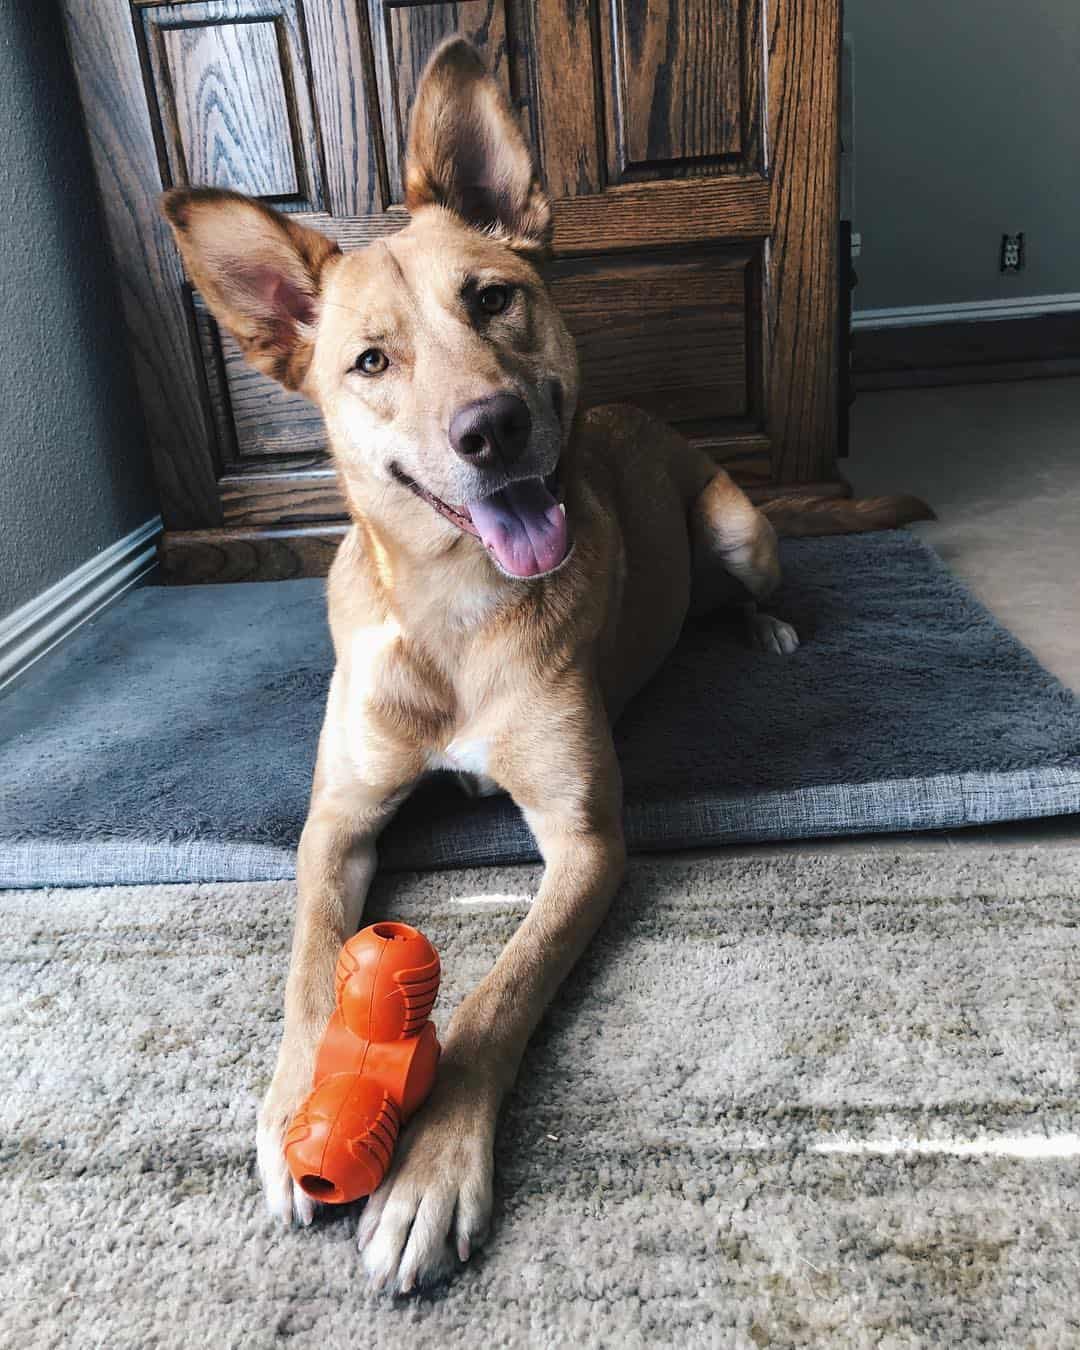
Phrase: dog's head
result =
(446, 377)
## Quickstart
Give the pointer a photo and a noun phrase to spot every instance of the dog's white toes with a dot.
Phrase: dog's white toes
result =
(386, 1242)
(786, 637)
(277, 1184)
(369, 1219)
(472, 1220)
(303, 1206)
(408, 1243)
(428, 1248)
(284, 1199)
(434, 1207)
(770, 634)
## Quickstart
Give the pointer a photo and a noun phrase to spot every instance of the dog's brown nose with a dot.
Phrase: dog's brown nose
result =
(491, 430)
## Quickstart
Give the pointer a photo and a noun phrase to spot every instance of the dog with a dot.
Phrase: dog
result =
(513, 574)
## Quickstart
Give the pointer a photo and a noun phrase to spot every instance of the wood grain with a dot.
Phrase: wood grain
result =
(193, 556)
(559, 40)
(255, 416)
(343, 86)
(289, 498)
(404, 34)
(672, 75)
(161, 27)
(801, 290)
(640, 215)
(217, 387)
(746, 455)
(231, 108)
(164, 352)
(752, 87)
(833, 487)
(686, 211)
(267, 418)
(666, 334)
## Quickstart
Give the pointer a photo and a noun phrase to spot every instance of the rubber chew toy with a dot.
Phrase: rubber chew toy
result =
(375, 1066)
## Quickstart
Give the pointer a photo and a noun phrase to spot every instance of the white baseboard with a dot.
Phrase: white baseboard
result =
(37, 627)
(1019, 307)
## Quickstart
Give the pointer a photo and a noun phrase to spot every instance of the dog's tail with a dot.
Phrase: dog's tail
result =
(794, 517)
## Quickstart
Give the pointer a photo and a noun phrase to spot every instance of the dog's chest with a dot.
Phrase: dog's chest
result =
(468, 758)
(462, 756)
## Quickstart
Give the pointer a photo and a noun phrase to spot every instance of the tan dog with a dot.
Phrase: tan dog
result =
(513, 575)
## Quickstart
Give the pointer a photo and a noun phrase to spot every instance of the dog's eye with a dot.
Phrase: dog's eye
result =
(371, 362)
(493, 299)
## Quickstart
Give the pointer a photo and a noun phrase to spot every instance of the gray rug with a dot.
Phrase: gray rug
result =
(862, 1130)
(173, 739)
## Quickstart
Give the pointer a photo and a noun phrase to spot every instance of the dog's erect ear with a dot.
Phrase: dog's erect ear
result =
(466, 152)
(259, 272)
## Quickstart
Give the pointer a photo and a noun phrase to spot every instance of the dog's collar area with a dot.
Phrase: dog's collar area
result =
(455, 514)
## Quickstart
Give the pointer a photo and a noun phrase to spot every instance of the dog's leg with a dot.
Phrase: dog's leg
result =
(736, 562)
(334, 867)
(436, 1201)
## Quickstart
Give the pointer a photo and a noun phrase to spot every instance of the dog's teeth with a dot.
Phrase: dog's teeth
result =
(562, 507)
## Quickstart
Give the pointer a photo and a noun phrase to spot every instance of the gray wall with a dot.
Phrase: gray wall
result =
(73, 470)
(967, 126)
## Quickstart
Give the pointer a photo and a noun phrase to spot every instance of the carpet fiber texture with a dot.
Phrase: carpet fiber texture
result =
(174, 738)
(860, 1127)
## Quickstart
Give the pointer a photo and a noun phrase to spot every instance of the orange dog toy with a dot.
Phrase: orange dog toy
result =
(375, 1065)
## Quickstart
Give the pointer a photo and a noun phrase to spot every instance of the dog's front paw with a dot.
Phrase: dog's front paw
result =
(435, 1203)
(284, 1198)
(770, 634)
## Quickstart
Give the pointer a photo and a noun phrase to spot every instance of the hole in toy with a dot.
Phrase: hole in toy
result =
(392, 932)
(317, 1187)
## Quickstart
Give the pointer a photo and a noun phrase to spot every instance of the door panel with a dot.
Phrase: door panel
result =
(673, 85)
(268, 419)
(673, 331)
(230, 100)
(231, 110)
(565, 129)
(339, 50)
(257, 421)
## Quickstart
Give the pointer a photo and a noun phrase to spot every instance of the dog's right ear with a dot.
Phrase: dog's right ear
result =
(466, 152)
(259, 272)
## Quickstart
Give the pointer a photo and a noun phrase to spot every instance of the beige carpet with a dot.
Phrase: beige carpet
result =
(1000, 464)
(817, 1099)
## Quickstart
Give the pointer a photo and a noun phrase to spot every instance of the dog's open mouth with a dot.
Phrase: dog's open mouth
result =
(523, 525)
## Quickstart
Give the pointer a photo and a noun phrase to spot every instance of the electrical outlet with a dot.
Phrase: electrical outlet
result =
(1012, 252)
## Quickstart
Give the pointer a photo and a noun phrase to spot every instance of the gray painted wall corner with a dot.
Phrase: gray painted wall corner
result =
(74, 467)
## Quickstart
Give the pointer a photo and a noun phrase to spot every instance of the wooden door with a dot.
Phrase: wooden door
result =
(691, 150)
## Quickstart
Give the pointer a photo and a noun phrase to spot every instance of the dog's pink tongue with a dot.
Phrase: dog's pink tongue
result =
(523, 526)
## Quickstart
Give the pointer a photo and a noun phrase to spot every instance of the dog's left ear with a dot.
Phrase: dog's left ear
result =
(467, 153)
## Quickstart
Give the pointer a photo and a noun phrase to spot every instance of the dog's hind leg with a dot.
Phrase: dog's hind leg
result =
(736, 561)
